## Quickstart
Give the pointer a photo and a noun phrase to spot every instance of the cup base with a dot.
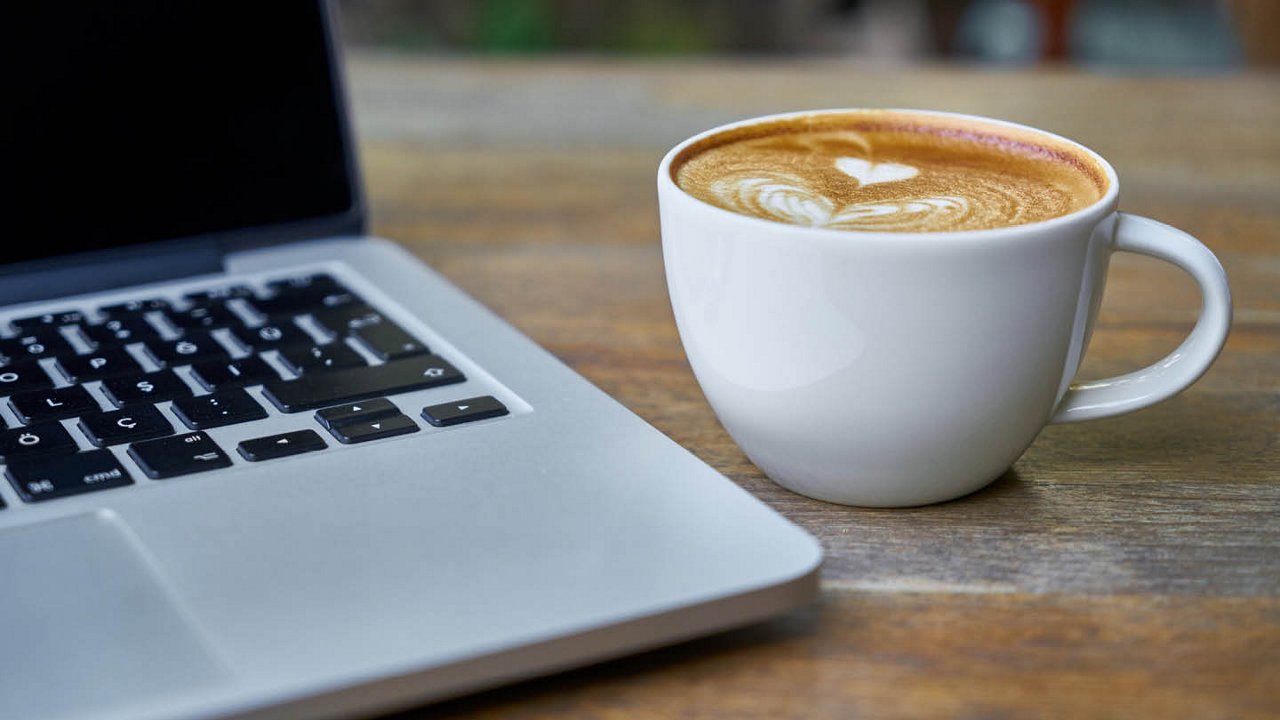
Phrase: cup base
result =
(885, 494)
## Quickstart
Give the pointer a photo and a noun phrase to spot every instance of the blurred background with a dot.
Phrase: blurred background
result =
(1160, 35)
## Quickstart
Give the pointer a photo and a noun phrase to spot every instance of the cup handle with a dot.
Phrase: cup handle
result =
(1177, 370)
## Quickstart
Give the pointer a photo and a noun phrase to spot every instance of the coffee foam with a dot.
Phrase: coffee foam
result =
(889, 171)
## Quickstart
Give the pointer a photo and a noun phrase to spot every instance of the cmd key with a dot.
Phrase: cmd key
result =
(341, 386)
(54, 477)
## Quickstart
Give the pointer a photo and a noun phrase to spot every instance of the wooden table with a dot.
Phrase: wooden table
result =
(1124, 567)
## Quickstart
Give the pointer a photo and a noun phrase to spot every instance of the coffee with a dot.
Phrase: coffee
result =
(891, 171)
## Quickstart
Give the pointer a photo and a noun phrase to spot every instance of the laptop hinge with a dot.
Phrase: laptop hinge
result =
(121, 269)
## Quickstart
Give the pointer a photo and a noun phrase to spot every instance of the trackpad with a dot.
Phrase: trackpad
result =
(87, 625)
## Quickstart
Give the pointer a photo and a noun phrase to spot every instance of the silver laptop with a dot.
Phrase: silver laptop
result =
(258, 464)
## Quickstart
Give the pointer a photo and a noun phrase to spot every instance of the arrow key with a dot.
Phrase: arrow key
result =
(462, 411)
(356, 412)
(367, 430)
(278, 446)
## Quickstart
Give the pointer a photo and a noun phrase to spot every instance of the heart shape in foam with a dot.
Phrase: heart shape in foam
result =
(869, 173)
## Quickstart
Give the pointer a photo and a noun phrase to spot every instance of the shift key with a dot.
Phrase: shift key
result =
(341, 386)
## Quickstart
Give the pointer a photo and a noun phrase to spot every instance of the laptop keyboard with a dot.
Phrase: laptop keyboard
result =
(153, 374)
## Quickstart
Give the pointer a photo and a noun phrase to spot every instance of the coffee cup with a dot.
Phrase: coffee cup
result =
(885, 307)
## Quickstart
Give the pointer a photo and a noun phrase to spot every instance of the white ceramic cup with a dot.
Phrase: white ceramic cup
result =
(897, 369)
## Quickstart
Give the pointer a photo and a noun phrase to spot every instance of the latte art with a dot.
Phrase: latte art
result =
(858, 172)
(785, 198)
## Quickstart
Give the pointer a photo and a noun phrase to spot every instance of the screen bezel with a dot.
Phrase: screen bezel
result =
(179, 257)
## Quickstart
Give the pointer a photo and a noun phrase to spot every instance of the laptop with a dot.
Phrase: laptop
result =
(258, 464)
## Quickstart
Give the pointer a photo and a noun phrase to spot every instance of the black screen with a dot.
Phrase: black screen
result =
(130, 121)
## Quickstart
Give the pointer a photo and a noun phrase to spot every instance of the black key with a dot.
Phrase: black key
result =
(97, 365)
(22, 377)
(225, 407)
(342, 320)
(48, 438)
(285, 306)
(204, 317)
(302, 359)
(367, 430)
(146, 388)
(48, 320)
(141, 422)
(272, 336)
(463, 411)
(251, 370)
(119, 331)
(356, 412)
(134, 307)
(278, 446)
(297, 303)
(322, 282)
(178, 455)
(388, 342)
(37, 344)
(340, 386)
(218, 295)
(192, 347)
(57, 477)
(53, 404)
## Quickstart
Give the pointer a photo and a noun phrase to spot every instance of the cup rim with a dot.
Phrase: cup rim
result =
(1103, 204)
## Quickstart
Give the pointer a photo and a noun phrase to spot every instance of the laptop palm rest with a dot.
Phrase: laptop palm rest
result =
(97, 628)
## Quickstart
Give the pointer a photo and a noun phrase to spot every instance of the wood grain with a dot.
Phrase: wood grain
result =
(1125, 567)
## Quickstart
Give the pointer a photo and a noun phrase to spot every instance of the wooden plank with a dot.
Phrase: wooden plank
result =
(952, 655)
(1125, 567)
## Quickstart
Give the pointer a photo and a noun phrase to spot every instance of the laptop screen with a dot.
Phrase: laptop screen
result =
(132, 121)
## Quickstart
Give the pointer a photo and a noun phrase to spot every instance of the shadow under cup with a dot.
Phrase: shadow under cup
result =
(899, 368)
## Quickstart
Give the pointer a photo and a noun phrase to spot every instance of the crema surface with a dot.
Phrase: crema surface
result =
(889, 171)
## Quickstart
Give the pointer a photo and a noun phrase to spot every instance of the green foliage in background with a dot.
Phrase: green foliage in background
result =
(666, 29)
(516, 26)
